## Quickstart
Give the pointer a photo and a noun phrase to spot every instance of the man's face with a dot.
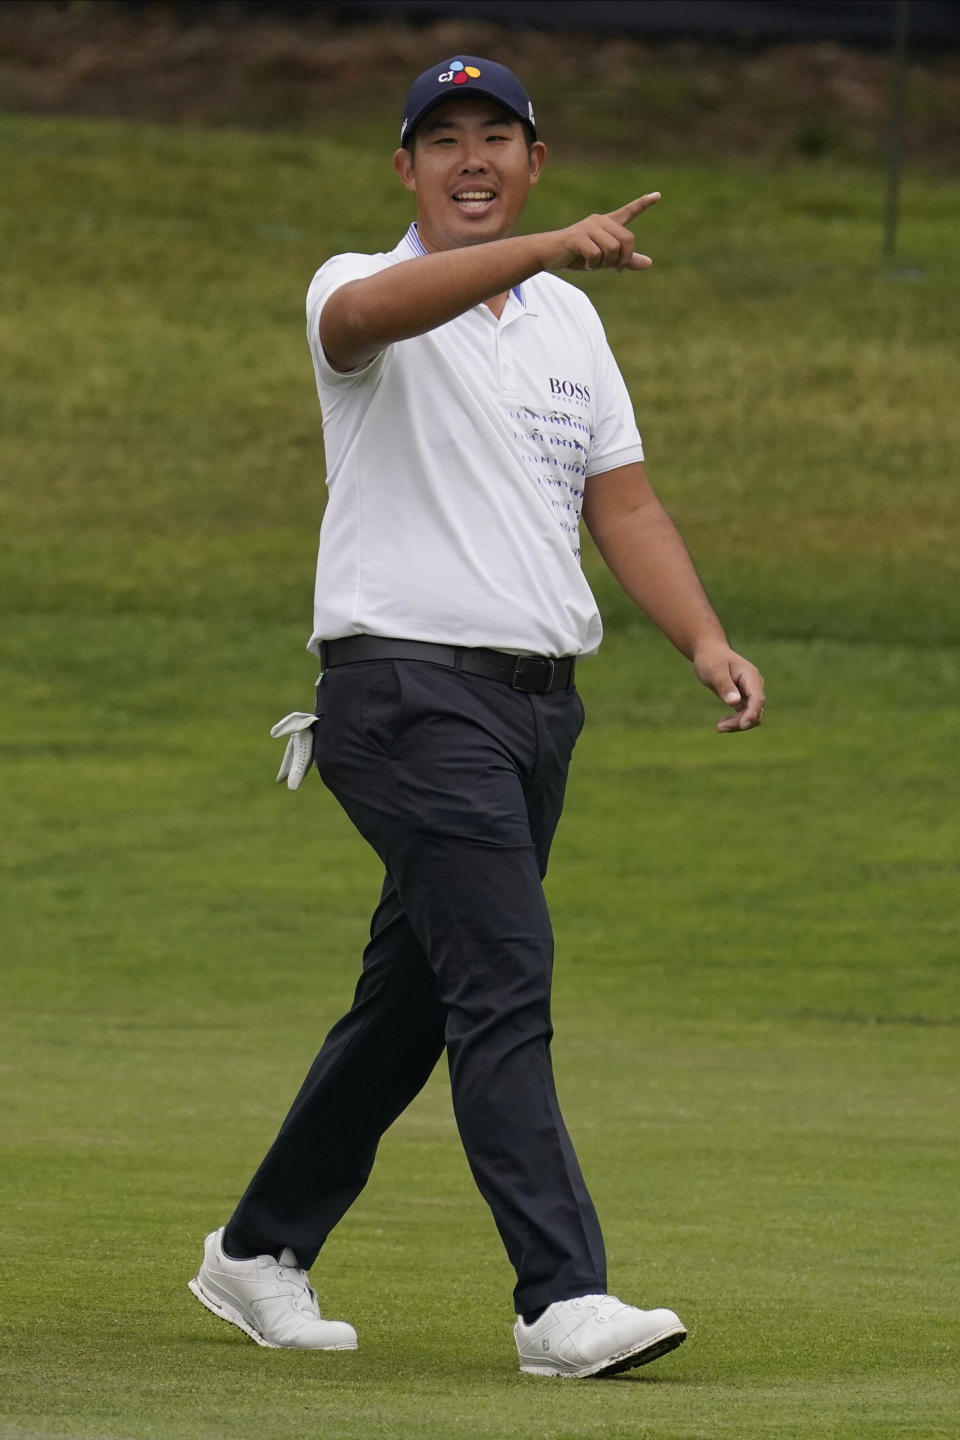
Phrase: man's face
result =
(471, 171)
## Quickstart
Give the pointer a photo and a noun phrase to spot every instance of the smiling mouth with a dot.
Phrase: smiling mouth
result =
(473, 199)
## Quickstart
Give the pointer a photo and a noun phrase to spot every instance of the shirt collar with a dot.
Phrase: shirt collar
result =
(413, 242)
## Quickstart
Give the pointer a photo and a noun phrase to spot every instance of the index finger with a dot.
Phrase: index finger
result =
(629, 212)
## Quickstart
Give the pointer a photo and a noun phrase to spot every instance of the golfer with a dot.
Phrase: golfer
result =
(473, 417)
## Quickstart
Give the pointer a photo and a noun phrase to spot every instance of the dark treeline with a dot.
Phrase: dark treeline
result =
(858, 22)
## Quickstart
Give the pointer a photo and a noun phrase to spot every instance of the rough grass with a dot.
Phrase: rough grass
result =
(756, 997)
(595, 94)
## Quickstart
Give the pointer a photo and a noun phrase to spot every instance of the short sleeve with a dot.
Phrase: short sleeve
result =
(616, 439)
(336, 272)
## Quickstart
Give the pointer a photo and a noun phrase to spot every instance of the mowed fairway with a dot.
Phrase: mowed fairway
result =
(757, 936)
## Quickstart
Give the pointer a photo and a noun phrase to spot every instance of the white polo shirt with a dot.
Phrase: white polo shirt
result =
(456, 467)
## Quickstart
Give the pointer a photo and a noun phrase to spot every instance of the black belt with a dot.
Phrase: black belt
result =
(534, 674)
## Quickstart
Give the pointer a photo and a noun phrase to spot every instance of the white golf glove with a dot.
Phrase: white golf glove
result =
(298, 756)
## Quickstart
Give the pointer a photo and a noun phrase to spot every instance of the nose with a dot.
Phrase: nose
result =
(473, 161)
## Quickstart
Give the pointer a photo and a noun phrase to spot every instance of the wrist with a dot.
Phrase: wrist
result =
(707, 644)
(548, 251)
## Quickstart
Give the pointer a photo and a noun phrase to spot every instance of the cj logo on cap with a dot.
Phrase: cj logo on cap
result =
(458, 73)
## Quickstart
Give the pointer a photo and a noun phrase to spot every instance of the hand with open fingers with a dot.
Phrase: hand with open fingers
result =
(737, 682)
(600, 242)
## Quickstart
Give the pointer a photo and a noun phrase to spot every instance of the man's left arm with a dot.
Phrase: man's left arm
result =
(643, 550)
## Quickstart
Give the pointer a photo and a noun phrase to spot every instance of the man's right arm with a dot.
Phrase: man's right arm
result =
(363, 317)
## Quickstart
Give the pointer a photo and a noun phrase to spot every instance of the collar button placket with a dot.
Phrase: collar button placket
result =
(508, 378)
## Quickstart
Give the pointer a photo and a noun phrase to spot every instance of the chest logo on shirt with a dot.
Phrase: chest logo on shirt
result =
(570, 390)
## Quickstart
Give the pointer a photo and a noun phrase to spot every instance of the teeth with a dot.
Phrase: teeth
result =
(474, 195)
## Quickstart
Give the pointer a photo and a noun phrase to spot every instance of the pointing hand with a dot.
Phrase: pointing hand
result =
(600, 242)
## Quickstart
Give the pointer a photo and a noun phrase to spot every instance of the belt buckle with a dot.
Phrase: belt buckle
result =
(517, 678)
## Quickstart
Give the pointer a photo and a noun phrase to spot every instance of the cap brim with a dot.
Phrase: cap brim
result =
(465, 92)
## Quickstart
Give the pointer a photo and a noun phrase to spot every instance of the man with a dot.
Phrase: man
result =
(471, 409)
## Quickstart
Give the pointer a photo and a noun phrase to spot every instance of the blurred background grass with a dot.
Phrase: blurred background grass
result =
(668, 90)
(756, 987)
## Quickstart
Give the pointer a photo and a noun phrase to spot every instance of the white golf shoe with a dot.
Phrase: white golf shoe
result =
(270, 1300)
(595, 1335)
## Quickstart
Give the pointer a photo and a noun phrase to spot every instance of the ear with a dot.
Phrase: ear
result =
(403, 164)
(538, 158)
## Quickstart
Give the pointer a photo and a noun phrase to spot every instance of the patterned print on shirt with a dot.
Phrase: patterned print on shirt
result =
(556, 447)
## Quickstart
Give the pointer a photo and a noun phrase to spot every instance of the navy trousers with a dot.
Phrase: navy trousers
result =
(457, 782)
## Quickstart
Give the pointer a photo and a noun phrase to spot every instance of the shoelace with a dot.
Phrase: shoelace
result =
(606, 1306)
(307, 1298)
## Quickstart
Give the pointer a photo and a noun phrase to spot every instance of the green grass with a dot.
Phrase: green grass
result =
(756, 996)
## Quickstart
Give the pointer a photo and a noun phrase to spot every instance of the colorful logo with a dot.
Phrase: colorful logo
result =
(458, 73)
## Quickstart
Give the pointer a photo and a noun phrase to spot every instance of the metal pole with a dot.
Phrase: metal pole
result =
(896, 125)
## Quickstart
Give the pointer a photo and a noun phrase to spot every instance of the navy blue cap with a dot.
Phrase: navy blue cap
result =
(465, 75)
